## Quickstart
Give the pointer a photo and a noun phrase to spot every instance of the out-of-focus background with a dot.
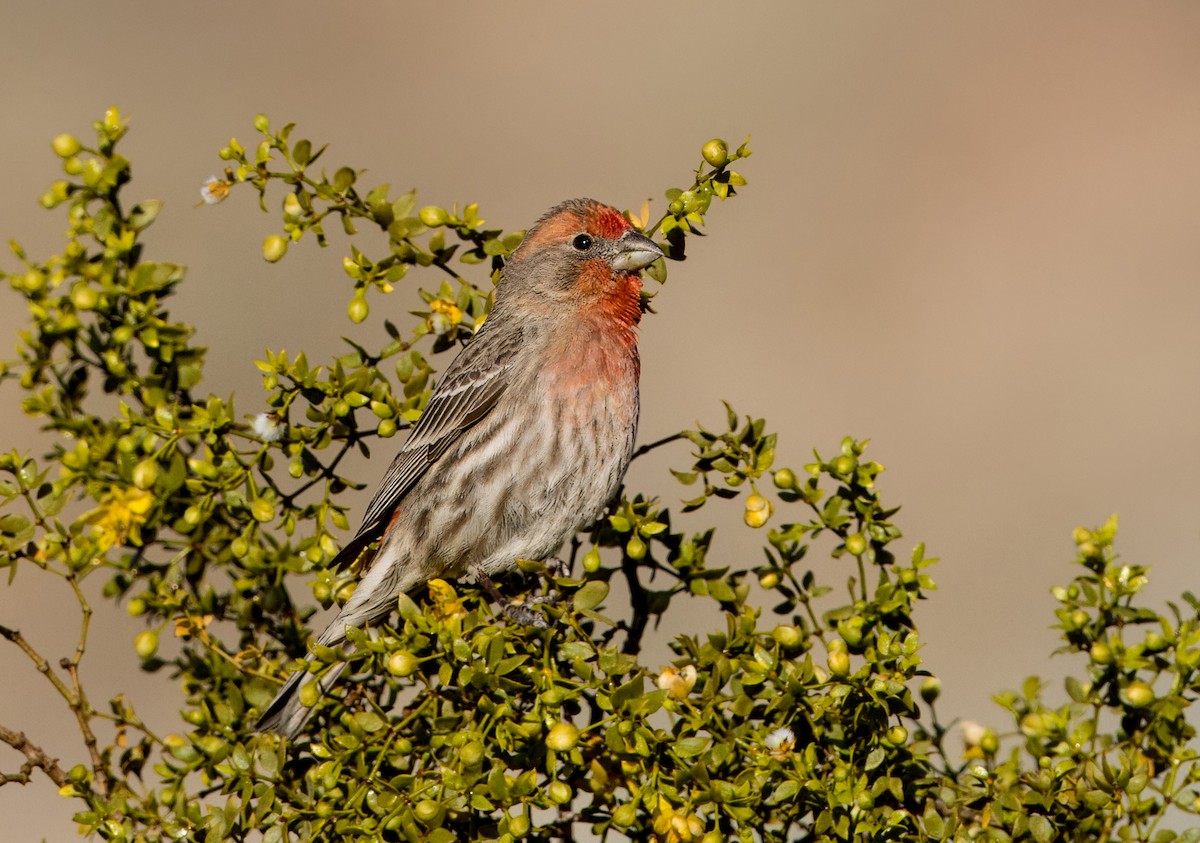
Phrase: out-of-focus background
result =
(970, 234)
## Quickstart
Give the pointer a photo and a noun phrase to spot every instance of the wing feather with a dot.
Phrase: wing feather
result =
(468, 391)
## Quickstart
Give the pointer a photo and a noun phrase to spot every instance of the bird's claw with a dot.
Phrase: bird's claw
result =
(558, 568)
(524, 614)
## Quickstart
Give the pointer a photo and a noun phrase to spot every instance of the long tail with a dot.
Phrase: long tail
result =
(286, 715)
(374, 597)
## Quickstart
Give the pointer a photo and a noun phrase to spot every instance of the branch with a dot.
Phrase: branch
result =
(35, 757)
(645, 449)
(75, 700)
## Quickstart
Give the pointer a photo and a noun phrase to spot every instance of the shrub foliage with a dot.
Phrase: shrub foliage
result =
(805, 714)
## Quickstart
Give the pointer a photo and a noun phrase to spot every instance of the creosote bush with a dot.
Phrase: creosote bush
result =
(807, 714)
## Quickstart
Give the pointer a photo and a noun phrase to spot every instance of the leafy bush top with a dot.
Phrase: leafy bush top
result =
(806, 714)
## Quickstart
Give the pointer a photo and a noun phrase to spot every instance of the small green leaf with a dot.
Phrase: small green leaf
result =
(591, 595)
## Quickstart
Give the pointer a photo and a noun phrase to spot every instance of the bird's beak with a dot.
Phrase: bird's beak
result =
(637, 252)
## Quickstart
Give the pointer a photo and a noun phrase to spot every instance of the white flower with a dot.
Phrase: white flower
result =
(780, 742)
(214, 190)
(268, 426)
(677, 683)
(972, 732)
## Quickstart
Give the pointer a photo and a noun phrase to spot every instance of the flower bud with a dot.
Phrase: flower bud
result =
(562, 737)
(591, 561)
(274, 248)
(839, 662)
(309, 694)
(758, 511)
(789, 637)
(427, 810)
(433, 216)
(292, 209)
(716, 152)
(625, 815)
(402, 663)
(1137, 695)
(65, 145)
(145, 473)
(560, 792)
(146, 644)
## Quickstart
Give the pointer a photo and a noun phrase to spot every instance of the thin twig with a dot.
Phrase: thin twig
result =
(35, 756)
(645, 449)
(83, 711)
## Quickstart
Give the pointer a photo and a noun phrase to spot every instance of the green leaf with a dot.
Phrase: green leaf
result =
(1041, 828)
(591, 595)
(689, 747)
(631, 690)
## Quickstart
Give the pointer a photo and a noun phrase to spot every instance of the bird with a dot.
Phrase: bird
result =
(525, 439)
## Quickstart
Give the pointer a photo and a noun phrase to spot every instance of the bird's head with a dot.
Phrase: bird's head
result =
(581, 252)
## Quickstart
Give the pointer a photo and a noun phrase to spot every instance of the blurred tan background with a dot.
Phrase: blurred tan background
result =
(970, 234)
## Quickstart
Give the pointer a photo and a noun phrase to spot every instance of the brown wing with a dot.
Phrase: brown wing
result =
(467, 392)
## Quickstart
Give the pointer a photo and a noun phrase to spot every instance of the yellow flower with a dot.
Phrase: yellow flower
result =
(446, 605)
(119, 516)
(445, 317)
(677, 683)
(188, 625)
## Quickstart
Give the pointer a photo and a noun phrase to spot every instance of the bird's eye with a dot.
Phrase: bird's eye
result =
(582, 242)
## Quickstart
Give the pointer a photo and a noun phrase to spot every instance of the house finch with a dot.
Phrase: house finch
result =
(525, 439)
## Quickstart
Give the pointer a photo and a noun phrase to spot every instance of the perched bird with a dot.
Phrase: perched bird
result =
(526, 437)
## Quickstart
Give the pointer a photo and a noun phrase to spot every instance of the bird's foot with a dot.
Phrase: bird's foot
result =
(524, 614)
(521, 613)
(556, 568)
